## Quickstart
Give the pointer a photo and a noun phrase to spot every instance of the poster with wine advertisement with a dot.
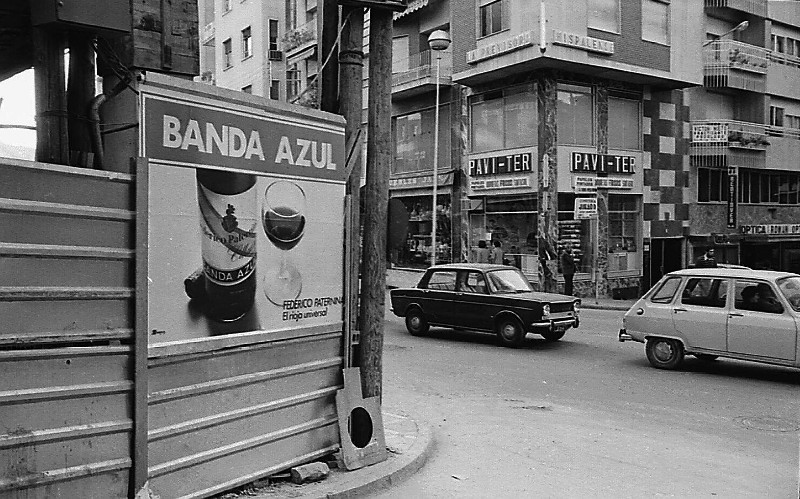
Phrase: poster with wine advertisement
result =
(245, 205)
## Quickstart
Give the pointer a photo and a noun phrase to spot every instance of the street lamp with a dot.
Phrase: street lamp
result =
(439, 40)
(739, 27)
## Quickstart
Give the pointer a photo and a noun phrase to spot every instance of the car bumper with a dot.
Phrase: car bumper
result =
(555, 324)
(624, 336)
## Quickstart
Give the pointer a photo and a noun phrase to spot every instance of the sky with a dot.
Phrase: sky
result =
(17, 108)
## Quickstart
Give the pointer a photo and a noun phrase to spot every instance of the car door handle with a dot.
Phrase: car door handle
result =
(676, 310)
(735, 314)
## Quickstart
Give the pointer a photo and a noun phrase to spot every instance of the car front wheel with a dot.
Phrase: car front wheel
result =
(664, 353)
(416, 322)
(510, 332)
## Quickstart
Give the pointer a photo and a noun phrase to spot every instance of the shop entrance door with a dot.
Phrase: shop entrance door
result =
(665, 256)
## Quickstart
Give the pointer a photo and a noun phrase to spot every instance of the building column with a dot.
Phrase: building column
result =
(459, 143)
(601, 264)
(547, 97)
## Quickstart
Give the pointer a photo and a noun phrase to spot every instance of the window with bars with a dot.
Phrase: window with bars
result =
(494, 17)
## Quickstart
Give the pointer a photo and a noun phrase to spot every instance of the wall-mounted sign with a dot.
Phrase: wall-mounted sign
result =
(583, 42)
(770, 229)
(503, 46)
(732, 197)
(510, 163)
(709, 133)
(591, 184)
(585, 208)
(485, 184)
(585, 162)
(420, 181)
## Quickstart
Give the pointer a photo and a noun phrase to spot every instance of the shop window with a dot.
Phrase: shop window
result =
(712, 185)
(604, 15)
(416, 252)
(504, 119)
(512, 220)
(655, 21)
(413, 141)
(575, 115)
(575, 234)
(623, 232)
(494, 17)
(624, 124)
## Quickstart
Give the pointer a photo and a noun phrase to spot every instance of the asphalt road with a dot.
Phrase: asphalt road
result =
(588, 417)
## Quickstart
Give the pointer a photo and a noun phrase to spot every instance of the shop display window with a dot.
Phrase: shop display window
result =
(513, 222)
(416, 252)
(623, 233)
(575, 234)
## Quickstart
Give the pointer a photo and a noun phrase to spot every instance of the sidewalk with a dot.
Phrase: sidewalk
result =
(406, 278)
(409, 443)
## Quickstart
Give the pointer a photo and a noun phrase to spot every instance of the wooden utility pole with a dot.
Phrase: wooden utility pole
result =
(52, 142)
(379, 159)
(351, 73)
(80, 91)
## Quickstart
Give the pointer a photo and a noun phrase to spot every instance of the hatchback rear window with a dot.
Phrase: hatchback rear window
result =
(666, 291)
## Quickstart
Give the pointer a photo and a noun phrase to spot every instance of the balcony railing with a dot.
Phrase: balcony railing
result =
(421, 66)
(208, 33)
(755, 7)
(729, 133)
(732, 64)
(300, 35)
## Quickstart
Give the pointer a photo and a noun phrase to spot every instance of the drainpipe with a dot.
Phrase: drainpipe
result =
(94, 119)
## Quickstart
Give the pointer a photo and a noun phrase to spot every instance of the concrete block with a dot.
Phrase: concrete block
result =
(311, 472)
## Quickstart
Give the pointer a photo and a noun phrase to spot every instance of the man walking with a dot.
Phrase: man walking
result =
(567, 269)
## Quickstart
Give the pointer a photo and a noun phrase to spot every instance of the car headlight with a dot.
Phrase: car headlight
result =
(576, 306)
(546, 310)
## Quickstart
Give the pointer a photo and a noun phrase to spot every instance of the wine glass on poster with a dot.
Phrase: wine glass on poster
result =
(283, 217)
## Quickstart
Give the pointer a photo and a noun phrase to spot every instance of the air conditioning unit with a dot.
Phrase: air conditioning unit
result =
(275, 55)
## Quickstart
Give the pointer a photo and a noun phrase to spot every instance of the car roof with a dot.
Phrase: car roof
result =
(733, 272)
(470, 266)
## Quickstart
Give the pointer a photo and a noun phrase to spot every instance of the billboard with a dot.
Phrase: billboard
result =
(245, 214)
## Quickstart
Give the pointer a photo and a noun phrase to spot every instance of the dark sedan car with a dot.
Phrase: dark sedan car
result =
(481, 297)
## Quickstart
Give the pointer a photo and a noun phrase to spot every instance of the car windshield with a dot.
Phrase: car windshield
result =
(508, 281)
(790, 287)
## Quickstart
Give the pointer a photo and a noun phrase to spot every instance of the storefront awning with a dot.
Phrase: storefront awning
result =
(424, 181)
(413, 6)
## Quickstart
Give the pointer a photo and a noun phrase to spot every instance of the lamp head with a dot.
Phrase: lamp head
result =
(439, 40)
(742, 26)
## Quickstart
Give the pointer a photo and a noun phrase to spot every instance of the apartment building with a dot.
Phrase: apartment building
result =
(611, 127)
(241, 45)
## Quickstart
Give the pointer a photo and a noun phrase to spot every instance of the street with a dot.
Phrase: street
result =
(588, 417)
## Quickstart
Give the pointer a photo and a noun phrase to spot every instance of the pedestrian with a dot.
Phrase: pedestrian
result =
(482, 253)
(567, 269)
(707, 260)
(498, 255)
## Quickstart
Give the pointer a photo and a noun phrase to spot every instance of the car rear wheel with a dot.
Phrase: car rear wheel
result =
(510, 332)
(553, 335)
(416, 322)
(664, 353)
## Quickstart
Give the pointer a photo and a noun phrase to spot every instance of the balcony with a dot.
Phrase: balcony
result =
(207, 37)
(732, 64)
(301, 38)
(754, 7)
(722, 143)
(417, 74)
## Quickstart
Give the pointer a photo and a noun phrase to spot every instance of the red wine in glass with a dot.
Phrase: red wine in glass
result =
(284, 226)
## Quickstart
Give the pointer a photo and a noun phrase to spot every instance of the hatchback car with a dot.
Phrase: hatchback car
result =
(718, 312)
(483, 297)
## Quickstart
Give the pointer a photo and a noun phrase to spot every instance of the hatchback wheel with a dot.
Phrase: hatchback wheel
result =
(416, 322)
(510, 332)
(664, 353)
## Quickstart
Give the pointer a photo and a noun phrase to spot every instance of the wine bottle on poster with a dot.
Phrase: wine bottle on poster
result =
(228, 219)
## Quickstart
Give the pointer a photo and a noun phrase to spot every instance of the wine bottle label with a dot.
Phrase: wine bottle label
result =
(228, 226)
